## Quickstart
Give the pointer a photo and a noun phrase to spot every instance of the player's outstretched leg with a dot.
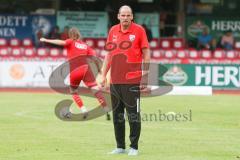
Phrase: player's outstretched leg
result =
(98, 94)
(77, 99)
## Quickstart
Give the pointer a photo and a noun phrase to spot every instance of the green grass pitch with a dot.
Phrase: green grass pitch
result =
(30, 130)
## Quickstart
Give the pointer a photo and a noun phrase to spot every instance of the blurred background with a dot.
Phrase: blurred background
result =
(198, 40)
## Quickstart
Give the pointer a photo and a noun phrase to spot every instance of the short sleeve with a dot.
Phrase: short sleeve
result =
(68, 42)
(144, 41)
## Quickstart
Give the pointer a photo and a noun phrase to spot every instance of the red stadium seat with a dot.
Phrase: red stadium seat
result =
(237, 45)
(55, 52)
(165, 43)
(232, 54)
(14, 42)
(157, 54)
(154, 43)
(169, 53)
(16, 52)
(193, 53)
(103, 53)
(90, 42)
(207, 54)
(101, 43)
(4, 52)
(3, 42)
(182, 53)
(42, 52)
(178, 43)
(29, 52)
(219, 54)
(27, 42)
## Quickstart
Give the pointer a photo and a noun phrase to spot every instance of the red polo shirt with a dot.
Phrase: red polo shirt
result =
(125, 49)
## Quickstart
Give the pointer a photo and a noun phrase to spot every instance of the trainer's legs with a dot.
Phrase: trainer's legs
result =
(132, 104)
(118, 116)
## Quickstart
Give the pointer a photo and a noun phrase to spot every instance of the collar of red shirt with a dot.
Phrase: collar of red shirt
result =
(130, 29)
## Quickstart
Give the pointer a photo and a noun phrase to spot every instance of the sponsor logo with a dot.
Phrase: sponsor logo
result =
(131, 37)
(218, 76)
(80, 46)
(196, 28)
(17, 71)
(176, 76)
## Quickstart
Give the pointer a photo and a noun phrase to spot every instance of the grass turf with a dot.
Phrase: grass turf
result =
(30, 130)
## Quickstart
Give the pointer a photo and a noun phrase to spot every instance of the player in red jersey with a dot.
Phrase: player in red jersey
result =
(82, 72)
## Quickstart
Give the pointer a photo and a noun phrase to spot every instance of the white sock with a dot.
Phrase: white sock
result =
(83, 109)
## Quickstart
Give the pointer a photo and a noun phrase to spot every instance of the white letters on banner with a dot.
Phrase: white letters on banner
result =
(217, 75)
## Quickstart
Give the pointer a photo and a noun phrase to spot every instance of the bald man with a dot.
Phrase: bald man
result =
(128, 49)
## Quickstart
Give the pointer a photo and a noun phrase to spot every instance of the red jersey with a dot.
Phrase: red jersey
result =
(77, 48)
(126, 53)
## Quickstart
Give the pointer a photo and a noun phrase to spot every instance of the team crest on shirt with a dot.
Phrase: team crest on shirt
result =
(131, 37)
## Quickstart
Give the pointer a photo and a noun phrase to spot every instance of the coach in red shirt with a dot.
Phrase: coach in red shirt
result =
(128, 59)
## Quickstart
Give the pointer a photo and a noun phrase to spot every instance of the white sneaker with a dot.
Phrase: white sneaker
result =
(133, 152)
(83, 109)
(118, 151)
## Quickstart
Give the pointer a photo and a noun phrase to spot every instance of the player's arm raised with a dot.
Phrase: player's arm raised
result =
(53, 41)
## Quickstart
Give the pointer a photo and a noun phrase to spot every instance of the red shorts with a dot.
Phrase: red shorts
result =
(82, 73)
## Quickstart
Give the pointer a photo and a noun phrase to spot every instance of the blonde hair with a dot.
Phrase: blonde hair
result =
(74, 33)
